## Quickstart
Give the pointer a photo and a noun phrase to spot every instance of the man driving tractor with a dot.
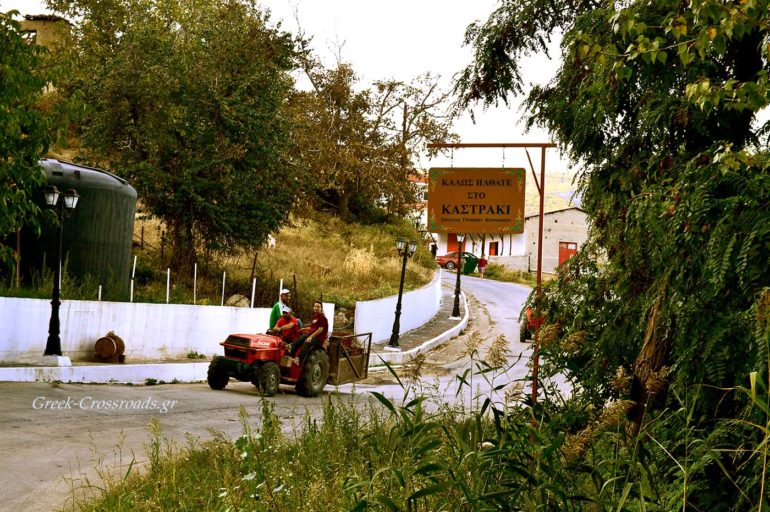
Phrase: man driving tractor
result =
(287, 327)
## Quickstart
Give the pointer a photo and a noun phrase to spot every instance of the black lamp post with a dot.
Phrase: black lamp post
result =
(63, 208)
(406, 250)
(456, 308)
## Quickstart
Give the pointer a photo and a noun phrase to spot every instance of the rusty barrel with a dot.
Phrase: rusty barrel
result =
(110, 349)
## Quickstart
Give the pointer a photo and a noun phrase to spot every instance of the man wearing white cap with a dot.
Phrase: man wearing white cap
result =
(282, 303)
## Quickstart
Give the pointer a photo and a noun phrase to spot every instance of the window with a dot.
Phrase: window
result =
(494, 249)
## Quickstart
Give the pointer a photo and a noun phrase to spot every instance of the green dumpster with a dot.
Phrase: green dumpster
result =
(469, 263)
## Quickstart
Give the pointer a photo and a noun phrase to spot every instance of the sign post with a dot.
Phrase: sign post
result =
(476, 200)
(461, 227)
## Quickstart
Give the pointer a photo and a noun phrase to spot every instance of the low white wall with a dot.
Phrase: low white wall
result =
(150, 331)
(417, 308)
(522, 263)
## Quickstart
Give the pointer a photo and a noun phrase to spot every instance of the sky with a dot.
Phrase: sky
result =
(401, 39)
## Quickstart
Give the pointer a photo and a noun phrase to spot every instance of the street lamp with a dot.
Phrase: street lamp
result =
(405, 249)
(456, 308)
(63, 209)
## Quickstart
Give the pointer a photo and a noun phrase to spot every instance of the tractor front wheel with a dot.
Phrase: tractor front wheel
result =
(267, 378)
(217, 374)
(315, 371)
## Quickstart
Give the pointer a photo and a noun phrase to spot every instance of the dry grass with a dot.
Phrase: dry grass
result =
(497, 355)
(345, 263)
(326, 258)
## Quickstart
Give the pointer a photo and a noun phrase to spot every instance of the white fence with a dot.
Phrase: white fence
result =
(417, 308)
(150, 331)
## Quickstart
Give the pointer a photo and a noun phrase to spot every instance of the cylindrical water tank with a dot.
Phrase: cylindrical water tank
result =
(98, 234)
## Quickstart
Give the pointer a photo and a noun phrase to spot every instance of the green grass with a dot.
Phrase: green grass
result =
(503, 273)
(357, 454)
(316, 258)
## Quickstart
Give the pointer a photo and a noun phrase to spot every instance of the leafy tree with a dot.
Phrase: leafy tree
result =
(658, 100)
(26, 131)
(360, 145)
(416, 118)
(187, 101)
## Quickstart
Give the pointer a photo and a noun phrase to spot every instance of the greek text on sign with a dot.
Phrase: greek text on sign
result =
(476, 200)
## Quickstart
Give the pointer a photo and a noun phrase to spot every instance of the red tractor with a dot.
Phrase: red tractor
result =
(262, 360)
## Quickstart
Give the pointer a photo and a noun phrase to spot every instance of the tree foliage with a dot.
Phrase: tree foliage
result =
(360, 145)
(187, 101)
(658, 100)
(25, 131)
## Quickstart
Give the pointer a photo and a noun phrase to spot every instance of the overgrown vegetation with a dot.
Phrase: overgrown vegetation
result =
(422, 453)
(659, 101)
(320, 257)
(324, 256)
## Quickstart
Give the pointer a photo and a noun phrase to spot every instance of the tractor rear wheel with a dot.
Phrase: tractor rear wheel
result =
(525, 333)
(267, 378)
(217, 375)
(315, 371)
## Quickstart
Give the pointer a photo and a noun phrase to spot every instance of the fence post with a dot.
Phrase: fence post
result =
(133, 275)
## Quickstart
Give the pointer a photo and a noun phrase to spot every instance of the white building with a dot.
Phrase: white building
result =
(564, 232)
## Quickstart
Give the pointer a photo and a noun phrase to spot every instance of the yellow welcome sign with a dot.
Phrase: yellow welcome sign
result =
(476, 200)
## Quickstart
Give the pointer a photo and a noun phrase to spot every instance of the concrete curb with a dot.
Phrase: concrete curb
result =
(378, 359)
(108, 374)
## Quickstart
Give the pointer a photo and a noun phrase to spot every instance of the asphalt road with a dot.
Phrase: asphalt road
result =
(496, 307)
(60, 437)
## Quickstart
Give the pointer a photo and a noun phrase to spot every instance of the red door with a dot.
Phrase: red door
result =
(453, 245)
(566, 251)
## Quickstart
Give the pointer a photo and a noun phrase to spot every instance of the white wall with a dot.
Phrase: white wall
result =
(150, 331)
(516, 262)
(417, 308)
(510, 245)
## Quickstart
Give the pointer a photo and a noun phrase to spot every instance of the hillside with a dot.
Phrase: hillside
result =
(323, 257)
(559, 192)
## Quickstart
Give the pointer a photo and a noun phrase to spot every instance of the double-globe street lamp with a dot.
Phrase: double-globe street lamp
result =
(456, 308)
(405, 249)
(63, 208)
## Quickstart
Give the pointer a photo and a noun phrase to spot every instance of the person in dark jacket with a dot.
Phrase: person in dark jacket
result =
(315, 335)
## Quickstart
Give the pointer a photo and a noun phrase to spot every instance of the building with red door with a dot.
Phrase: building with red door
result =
(564, 232)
